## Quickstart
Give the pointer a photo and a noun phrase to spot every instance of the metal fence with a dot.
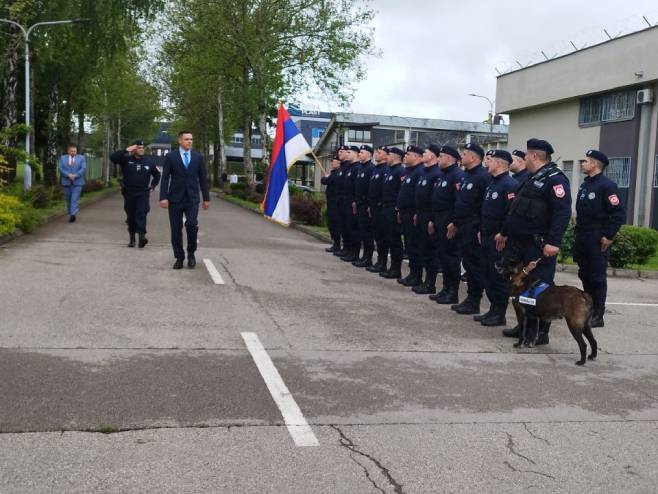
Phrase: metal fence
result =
(94, 167)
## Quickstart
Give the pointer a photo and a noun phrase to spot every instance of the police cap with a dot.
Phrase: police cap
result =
(449, 150)
(344, 148)
(471, 146)
(518, 153)
(540, 145)
(383, 148)
(500, 153)
(365, 147)
(434, 148)
(396, 150)
(137, 142)
(354, 148)
(415, 149)
(598, 155)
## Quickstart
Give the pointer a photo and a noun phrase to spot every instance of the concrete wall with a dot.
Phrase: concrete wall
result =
(600, 68)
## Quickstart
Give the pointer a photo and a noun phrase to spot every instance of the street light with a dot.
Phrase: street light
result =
(27, 175)
(491, 103)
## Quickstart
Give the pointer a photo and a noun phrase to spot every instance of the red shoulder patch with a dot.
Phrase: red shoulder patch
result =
(559, 191)
(402, 178)
(614, 200)
(510, 196)
(457, 185)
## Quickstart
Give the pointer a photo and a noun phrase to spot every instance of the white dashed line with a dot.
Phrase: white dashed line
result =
(214, 274)
(299, 430)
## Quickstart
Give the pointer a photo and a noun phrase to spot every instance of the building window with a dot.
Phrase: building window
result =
(237, 140)
(358, 135)
(611, 107)
(567, 168)
(399, 136)
(619, 171)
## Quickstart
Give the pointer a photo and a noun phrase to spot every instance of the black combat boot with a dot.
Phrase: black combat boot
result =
(340, 253)
(131, 242)
(471, 305)
(379, 266)
(334, 248)
(496, 316)
(142, 240)
(451, 296)
(416, 278)
(428, 287)
(438, 294)
(365, 261)
(394, 272)
(514, 332)
(351, 255)
(479, 317)
(597, 317)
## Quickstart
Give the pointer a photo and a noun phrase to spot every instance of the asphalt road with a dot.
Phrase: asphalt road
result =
(120, 374)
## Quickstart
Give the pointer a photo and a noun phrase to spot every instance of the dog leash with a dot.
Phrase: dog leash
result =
(531, 265)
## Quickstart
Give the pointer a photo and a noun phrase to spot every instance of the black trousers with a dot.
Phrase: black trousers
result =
(334, 223)
(348, 221)
(410, 232)
(527, 249)
(472, 258)
(448, 251)
(392, 227)
(496, 285)
(592, 265)
(136, 206)
(379, 231)
(364, 222)
(176, 212)
(427, 244)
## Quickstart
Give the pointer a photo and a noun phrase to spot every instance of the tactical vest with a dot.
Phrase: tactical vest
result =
(530, 201)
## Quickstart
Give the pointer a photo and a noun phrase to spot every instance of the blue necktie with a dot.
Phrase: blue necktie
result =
(186, 160)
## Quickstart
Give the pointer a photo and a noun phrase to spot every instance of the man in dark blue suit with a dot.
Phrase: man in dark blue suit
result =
(183, 174)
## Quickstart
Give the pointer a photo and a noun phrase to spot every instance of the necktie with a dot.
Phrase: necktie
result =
(186, 160)
(70, 160)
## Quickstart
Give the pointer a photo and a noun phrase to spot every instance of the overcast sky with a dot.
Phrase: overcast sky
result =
(435, 52)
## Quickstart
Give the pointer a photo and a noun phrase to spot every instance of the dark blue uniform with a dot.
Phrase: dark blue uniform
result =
(521, 176)
(375, 203)
(599, 214)
(390, 192)
(427, 243)
(139, 177)
(348, 218)
(497, 199)
(333, 212)
(444, 197)
(407, 207)
(539, 215)
(364, 222)
(468, 209)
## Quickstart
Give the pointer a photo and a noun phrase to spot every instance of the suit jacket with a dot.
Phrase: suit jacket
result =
(180, 184)
(78, 169)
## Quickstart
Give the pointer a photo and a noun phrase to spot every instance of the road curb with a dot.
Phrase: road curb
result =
(58, 214)
(614, 272)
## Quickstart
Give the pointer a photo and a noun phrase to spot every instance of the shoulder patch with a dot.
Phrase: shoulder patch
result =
(559, 191)
(614, 199)
(510, 196)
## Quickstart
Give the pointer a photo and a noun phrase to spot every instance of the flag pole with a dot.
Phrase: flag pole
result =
(317, 161)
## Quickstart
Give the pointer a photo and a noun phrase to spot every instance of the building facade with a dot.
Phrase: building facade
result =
(600, 97)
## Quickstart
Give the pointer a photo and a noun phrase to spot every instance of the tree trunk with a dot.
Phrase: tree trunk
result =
(246, 152)
(219, 148)
(262, 128)
(81, 131)
(10, 103)
(50, 165)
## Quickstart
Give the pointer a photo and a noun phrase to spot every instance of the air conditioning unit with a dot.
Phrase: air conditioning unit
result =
(644, 96)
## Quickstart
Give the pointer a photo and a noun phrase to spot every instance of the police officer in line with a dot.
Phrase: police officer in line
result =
(497, 199)
(427, 244)
(406, 206)
(139, 177)
(340, 199)
(466, 223)
(518, 168)
(333, 213)
(364, 221)
(444, 197)
(390, 192)
(599, 216)
(375, 209)
(537, 220)
(348, 210)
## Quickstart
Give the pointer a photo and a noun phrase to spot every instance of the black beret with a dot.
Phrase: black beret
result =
(396, 150)
(383, 148)
(435, 148)
(137, 142)
(540, 145)
(365, 147)
(354, 148)
(335, 157)
(500, 153)
(449, 150)
(598, 155)
(344, 148)
(415, 149)
(471, 146)
(518, 153)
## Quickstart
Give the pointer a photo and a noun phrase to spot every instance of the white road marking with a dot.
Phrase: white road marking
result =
(299, 430)
(212, 270)
(631, 303)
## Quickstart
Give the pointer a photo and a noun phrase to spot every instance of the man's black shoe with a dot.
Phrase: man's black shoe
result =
(340, 253)
(438, 295)
(142, 241)
(131, 243)
(402, 281)
(191, 262)
(597, 321)
(376, 268)
(391, 274)
(348, 258)
(413, 282)
(479, 317)
(424, 289)
(72, 218)
(333, 248)
(449, 297)
(514, 332)
(494, 320)
(178, 264)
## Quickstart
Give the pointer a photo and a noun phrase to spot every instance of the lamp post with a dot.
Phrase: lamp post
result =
(491, 103)
(27, 174)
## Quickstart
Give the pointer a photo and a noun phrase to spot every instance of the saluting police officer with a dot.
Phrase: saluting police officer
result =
(364, 221)
(518, 168)
(390, 193)
(139, 177)
(333, 213)
(340, 199)
(498, 197)
(349, 206)
(444, 197)
(375, 207)
(466, 223)
(600, 215)
(407, 211)
(536, 222)
(427, 244)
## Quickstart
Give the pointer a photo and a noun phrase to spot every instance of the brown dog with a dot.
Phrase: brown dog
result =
(554, 302)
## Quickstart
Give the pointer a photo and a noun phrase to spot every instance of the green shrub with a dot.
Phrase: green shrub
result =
(237, 187)
(29, 219)
(10, 208)
(644, 240)
(622, 251)
(306, 209)
(92, 186)
(39, 197)
(56, 194)
(566, 248)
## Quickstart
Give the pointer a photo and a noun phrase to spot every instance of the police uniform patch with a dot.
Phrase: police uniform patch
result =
(377, 176)
(424, 183)
(614, 200)
(510, 196)
(538, 184)
(444, 184)
(408, 181)
(390, 178)
(363, 175)
(349, 174)
(340, 174)
(469, 186)
(457, 185)
(591, 195)
(494, 195)
(558, 190)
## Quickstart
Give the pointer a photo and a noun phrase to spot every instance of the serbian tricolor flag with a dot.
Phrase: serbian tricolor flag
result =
(289, 146)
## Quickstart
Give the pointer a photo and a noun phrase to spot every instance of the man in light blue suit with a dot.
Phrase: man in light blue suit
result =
(72, 168)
